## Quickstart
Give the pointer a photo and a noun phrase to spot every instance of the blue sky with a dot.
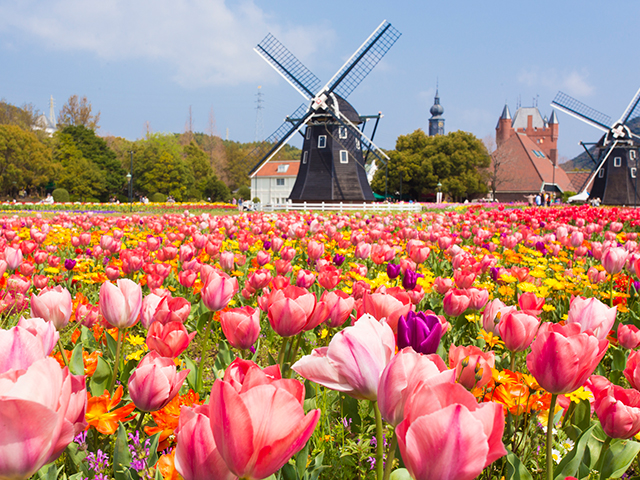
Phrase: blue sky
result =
(142, 61)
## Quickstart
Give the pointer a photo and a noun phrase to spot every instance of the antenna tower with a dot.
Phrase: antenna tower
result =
(52, 115)
(259, 135)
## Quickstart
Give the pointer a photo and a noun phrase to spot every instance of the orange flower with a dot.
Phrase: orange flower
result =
(519, 393)
(101, 414)
(90, 361)
(167, 466)
(166, 419)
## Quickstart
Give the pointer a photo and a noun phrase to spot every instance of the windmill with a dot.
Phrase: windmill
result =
(335, 149)
(615, 176)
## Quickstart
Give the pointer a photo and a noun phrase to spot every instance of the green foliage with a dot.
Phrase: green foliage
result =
(255, 200)
(23, 117)
(60, 195)
(419, 162)
(216, 190)
(25, 162)
(158, 198)
(244, 192)
(566, 195)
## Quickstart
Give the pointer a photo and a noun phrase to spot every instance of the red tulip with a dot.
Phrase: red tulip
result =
(197, 456)
(442, 285)
(530, 304)
(241, 326)
(155, 382)
(562, 357)
(120, 305)
(632, 370)
(259, 429)
(447, 435)
(170, 339)
(354, 359)
(618, 409)
(187, 278)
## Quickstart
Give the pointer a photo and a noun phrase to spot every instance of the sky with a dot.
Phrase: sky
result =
(145, 63)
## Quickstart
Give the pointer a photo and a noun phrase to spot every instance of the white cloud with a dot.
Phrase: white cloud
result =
(205, 42)
(574, 82)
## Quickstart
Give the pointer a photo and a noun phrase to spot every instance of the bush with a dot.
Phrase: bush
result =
(158, 198)
(566, 195)
(244, 192)
(255, 200)
(60, 195)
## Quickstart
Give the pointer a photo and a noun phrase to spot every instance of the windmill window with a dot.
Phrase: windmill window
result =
(357, 144)
(322, 141)
(617, 161)
(304, 157)
(601, 173)
(308, 133)
(280, 182)
(632, 154)
(342, 132)
(633, 172)
(344, 156)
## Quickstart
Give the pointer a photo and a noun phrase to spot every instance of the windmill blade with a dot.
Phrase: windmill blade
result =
(363, 60)
(630, 112)
(287, 65)
(595, 172)
(581, 111)
(272, 144)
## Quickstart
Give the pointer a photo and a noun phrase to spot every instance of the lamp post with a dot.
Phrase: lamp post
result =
(439, 194)
(130, 180)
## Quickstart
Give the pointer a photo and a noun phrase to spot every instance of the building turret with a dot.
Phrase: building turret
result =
(436, 122)
(504, 130)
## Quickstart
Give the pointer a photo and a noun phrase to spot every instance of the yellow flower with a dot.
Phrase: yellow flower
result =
(324, 333)
(472, 318)
(135, 340)
(490, 339)
(548, 308)
(527, 287)
(579, 395)
(506, 278)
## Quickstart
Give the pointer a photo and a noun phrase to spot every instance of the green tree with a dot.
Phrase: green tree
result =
(82, 178)
(25, 162)
(458, 161)
(24, 117)
(96, 151)
(159, 167)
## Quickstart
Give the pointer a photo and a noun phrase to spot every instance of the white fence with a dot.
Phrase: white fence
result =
(341, 207)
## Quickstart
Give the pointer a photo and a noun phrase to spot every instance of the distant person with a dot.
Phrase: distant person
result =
(49, 200)
(530, 199)
(538, 200)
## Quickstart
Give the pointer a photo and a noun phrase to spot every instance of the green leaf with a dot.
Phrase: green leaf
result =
(49, 472)
(76, 365)
(127, 370)
(121, 455)
(301, 460)
(288, 472)
(153, 450)
(101, 378)
(572, 460)
(193, 373)
(400, 474)
(111, 344)
(516, 469)
(618, 458)
(224, 358)
(350, 411)
(619, 359)
(87, 339)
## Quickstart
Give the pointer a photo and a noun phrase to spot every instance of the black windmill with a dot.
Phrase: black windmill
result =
(614, 177)
(335, 149)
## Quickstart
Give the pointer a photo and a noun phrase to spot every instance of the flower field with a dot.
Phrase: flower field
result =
(474, 342)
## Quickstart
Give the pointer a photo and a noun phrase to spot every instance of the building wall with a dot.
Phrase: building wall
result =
(268, 191)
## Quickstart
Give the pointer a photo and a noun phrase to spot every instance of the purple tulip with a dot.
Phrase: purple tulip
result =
(266, 245)
(69, 263)
(393, 270)
(419, 331)
(410, 278)
(338, 259)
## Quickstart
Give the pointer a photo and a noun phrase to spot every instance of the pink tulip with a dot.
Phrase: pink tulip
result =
(120, 305)
(632, 370)
(259, 429)
(227, 260)
(340, 306)
(315, 250)
(155, 382)
(305, 278)
(87, 314)
(23, 345)
(618, 409)
(562, 357)
(576, 239)
(472, 365)
(628, 336)
(43, 408)
(419, 253)
(455, 302)
(40, 281)
(149, 305)
(170, 339)
(171, 309)
(329, 277)
(447, 435)
(517, 330)
(493, 312)
(354, 359)
(197, 456)
(463, 279)
(386, 306)
(54, 305)
(241, 326)
(363, 250)
(531, 304)
(13, 257)
(442, 285)
(613, 260)
(16, 283)
(246, 374)
(402, 375)
(477, 298)
(43, 330)
(218, 290)
(187, 278)
(263, 258)
(290, 310)
(112, 272)
(592, 314)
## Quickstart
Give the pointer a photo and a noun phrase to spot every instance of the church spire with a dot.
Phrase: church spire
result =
(436, 122)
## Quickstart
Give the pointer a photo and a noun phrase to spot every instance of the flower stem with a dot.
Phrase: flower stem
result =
(552, 407)
(379, 442)
(391, 454)
(603, 453)
(139, 425)
(513, 361)
(283, 349)
(203, 354)
(64, 357)
(293, 353)
(117, 362)
(611, 292)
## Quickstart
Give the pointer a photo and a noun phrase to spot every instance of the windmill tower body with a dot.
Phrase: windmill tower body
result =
(614, 180)
(331, 165)
(335, 148)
